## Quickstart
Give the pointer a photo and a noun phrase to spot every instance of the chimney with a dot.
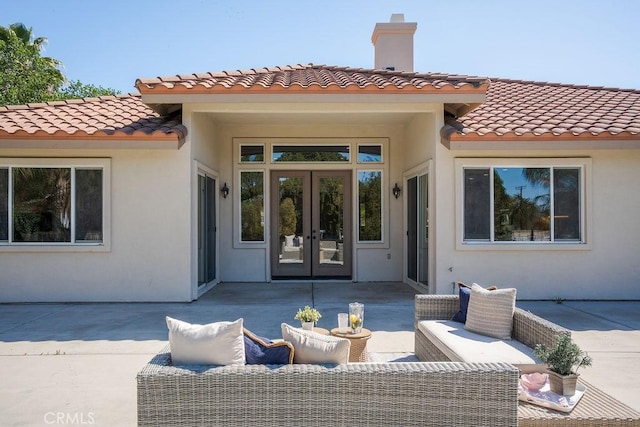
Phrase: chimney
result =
(393, 43)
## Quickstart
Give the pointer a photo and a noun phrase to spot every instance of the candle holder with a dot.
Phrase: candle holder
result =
(356, 317)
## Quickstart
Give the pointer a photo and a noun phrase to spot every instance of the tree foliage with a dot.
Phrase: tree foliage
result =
(27, 77)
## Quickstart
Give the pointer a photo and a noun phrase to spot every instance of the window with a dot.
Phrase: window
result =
(252, 206)
(311, 153)
(369, 154)
(251, 154)
(533, 203)
(42, 204)
(370, 206)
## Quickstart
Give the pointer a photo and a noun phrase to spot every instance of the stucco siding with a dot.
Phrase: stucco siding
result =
(149, 253)
(606, 267)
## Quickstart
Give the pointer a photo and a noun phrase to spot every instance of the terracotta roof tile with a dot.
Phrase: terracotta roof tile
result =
(311, 78)
(523, 109)
(120, 117)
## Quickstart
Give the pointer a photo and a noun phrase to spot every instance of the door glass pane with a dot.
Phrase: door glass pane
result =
(89, 205)
(412, 229)
(521, 204)
(252, 206)
(311, 153)
(202, 226)
(423, 218)
(566, 199)
(291, 221)
(42, 205)
(206, 230)
(330, 234)
(370, 206)
(4, 204)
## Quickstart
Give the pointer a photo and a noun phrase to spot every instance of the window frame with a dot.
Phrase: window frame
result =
(269, 166)
(63, 163)
(583, 164)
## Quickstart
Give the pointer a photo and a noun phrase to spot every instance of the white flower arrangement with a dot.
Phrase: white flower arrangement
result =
(308, 314)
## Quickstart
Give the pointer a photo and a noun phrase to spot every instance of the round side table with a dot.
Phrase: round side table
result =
(358, 352)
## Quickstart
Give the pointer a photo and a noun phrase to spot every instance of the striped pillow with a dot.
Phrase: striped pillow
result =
(491, 312)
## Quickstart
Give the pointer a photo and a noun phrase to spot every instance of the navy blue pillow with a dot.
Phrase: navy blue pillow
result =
(464, 293)
(261, 351)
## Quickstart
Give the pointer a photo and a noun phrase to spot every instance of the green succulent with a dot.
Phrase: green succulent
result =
(564, 357)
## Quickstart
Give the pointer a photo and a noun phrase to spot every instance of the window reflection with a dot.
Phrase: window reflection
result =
(311, 153)
(521, 204)
(370, 205)
(252, 206)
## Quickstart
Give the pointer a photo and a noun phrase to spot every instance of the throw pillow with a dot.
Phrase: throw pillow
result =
(311, 347)
(261, 351)
(463, 295)
(464, 292)
(491, 312)
(220, 343)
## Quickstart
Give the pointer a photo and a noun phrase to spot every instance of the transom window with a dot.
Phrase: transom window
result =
(311, 153)
(43, 204)
(518, 204)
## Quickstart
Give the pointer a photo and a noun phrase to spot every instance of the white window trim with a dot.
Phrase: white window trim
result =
(585, 209)
(80, 163)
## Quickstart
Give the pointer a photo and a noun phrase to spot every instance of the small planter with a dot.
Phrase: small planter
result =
(563, 384)
(307, 326)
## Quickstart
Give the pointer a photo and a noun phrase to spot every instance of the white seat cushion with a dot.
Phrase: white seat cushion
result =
(462, 345)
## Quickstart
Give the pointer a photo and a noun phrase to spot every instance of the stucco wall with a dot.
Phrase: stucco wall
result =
(607, 269)
(150, 247)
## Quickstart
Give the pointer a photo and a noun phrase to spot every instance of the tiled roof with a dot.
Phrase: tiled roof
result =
(521, 110)
(120, 117)
(312, 78)
(514, 110)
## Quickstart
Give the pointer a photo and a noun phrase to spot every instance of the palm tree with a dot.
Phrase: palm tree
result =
(24, 35)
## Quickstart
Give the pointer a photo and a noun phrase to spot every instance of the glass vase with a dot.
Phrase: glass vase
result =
(356, 317)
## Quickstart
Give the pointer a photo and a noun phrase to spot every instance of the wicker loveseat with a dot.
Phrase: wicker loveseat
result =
(376, 394)
(527, 328)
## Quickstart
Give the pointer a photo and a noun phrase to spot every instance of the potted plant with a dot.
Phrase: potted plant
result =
(308, 317)
(563, 359)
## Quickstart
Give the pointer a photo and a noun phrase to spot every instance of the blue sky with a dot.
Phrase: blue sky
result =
(111, 43)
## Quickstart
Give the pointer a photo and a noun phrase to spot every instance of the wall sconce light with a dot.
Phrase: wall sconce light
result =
(396, 191)
(224, 190)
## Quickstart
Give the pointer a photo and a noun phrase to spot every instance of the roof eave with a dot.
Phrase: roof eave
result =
(170, 141)
(458, 142)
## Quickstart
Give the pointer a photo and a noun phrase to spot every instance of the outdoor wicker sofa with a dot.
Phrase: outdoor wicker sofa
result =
(596, 409)
(527, 328)
(376, 394)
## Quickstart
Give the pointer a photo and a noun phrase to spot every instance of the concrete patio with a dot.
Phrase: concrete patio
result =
(76, 363)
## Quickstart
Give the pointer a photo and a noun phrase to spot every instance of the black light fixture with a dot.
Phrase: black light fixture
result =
(396, 191)
(224, 190)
